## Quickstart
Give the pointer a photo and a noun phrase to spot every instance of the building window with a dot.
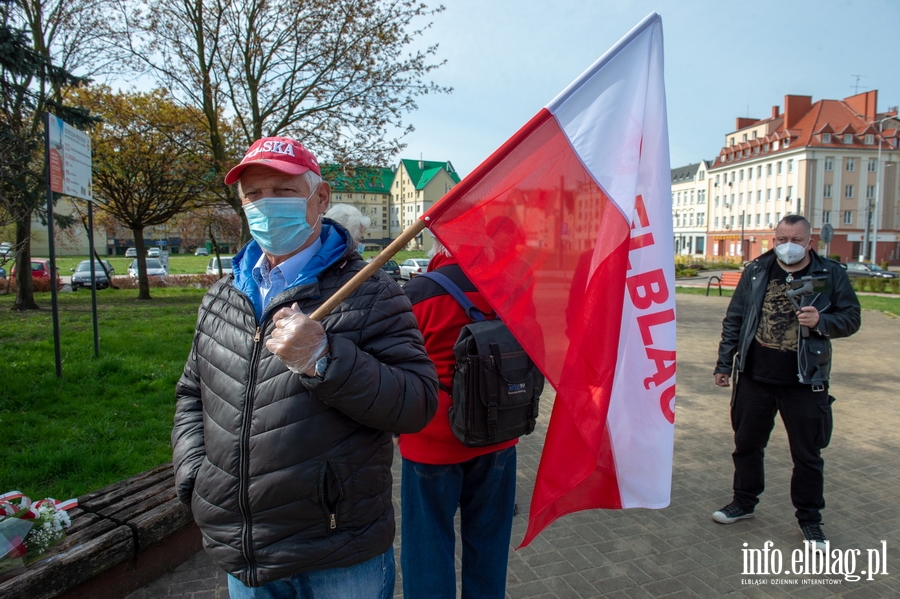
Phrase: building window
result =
(873, 165)
(732, 176)
(826, 190)
(717, 179)
(701, 196)
(717, 201)
(692, 196)
(701, 219)
(774, 146)
(870, 191)
(740, 198)
(826, 217)
(829, 164)
(759, 171)
(778, 167)
(744, 137)
(826, 138)
(701, 175)
(848, 217)
(758, 219)
(870, 139)
(717, 222)
(691, 220)
(759, 196)
(678, 201)
(790, 166)
(732, 220)
(786, 143)
(848, 191)
(742, 174)
(778, 196)
(731, 142)
(769, 170)
(768, 195)
(848, 138)
(790, 191)
(732, 198)
(851, 165)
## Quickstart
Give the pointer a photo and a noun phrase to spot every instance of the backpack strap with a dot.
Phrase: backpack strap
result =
(474, 314)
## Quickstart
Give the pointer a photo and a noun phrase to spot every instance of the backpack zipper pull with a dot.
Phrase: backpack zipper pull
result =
(256, 336)
(332, 522)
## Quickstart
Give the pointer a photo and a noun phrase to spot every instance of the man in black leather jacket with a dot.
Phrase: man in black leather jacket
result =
(781, 358)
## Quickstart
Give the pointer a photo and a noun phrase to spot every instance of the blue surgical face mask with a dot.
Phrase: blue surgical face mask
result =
(279, 224)
(360, 247)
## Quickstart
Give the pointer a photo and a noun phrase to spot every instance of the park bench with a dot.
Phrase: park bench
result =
(122, 537)
(729, 278)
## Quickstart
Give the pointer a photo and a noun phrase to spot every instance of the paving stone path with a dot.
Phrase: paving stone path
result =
(679, 551)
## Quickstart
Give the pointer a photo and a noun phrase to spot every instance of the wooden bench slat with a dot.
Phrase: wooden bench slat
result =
(155, 525)
(132, 505)
(50, 577)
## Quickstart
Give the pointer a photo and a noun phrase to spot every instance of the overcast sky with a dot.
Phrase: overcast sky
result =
(506, 59)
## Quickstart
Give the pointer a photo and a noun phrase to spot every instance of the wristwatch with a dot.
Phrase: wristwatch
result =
(322, 366)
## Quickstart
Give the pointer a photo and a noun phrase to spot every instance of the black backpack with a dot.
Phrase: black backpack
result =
(496, 386)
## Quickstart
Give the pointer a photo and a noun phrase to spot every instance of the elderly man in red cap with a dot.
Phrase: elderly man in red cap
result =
(282, 437)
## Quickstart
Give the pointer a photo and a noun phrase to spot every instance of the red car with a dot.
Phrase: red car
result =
(40, 269)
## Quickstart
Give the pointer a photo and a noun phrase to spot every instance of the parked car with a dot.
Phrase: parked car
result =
(155, 268)
(131, 253)
(6, 250)
(201, 252)
(867, 269)
(81, 275)
(411, 267)
(2, 273)
(40, 269)
(213, 267)
(390, 267)
(153, 253)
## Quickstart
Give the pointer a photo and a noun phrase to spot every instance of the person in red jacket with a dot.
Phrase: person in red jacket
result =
(441, 474)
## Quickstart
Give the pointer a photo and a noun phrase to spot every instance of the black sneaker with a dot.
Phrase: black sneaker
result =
(813, 533)
(731, 513)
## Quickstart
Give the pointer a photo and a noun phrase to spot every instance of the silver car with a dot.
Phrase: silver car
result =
(213, 267)
(155, 268)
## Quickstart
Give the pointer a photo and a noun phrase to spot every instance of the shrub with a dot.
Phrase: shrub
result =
(859, 283)
(895, 285)
(877, 285)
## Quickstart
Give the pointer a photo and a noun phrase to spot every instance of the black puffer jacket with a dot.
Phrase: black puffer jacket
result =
(286, 473)
(839, 316)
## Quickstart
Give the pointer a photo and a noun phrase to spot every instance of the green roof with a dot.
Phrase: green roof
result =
(365, 179)
(423, 171)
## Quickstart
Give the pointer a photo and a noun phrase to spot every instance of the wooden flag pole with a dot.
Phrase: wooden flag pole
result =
(368, 270)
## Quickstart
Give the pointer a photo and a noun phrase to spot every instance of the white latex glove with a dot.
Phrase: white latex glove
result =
(298, 341)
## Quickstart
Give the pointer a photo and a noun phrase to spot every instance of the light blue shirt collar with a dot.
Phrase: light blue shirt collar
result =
(273, 280)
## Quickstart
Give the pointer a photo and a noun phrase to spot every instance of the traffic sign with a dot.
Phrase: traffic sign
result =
(827, 233)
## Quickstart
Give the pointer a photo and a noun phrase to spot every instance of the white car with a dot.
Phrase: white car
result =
(155, 268)
(153, 253)
(411, 267)
(131, 253)
(213, 268)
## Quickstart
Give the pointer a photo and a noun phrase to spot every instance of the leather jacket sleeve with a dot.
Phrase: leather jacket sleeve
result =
(732, 325)
(841, 318)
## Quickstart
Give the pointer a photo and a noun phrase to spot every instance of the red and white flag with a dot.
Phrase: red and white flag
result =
(567, 230)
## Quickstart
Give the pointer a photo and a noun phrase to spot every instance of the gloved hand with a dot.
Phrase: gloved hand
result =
(298, 341)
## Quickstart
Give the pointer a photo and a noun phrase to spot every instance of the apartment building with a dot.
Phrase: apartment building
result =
(416, 186)
(369, 190)
(828, 160)
(690, 190)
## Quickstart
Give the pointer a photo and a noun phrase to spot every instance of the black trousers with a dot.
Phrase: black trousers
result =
(807, 419)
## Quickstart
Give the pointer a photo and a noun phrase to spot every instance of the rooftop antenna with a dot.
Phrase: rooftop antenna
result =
(856, 86)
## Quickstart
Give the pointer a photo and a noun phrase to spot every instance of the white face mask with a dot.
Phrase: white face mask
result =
(790, 253)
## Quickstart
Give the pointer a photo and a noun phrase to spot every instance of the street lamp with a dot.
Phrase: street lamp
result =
(878, 175)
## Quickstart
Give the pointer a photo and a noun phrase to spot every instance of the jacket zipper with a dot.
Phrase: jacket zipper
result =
(329, 474)
(244, 449)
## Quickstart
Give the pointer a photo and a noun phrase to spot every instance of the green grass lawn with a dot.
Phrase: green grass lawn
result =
(106, 418)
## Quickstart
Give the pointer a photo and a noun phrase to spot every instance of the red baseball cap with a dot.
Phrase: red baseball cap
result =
(283, 154)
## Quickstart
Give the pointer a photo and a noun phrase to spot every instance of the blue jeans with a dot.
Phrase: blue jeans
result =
(373, 579)
(484, 489)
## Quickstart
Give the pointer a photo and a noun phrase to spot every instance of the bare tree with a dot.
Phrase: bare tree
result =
(336, 74)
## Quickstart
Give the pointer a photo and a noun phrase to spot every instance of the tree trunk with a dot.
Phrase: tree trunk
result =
(24, 287)
(143, 280)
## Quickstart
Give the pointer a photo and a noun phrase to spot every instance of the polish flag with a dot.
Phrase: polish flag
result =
(567, 230)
